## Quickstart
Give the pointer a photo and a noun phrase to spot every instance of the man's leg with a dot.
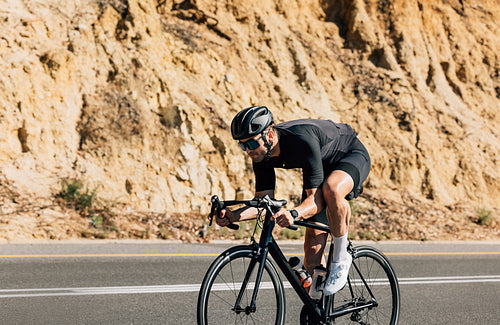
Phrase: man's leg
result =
(335, 189)
(314, 246)
(337, 186)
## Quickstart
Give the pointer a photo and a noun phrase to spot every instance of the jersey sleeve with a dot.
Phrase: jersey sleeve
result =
(312, 171)
(265, 178)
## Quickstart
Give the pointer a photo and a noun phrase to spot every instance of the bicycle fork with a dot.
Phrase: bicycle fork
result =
(261, 252)
(261, 256)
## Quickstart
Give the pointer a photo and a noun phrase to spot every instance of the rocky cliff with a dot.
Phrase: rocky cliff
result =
(134, 98)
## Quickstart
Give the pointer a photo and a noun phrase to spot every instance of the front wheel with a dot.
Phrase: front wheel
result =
(225, 296)
(371, 281)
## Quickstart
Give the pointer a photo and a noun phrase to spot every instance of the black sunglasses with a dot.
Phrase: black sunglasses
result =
(251, 144)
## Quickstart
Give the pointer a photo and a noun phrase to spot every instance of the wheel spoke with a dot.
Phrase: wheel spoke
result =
(375, 278)
(217, 300)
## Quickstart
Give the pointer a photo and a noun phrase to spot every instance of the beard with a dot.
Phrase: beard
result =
(260, 154)
(257, 158)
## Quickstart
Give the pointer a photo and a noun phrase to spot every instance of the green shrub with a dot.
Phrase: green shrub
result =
(73, 192)
(483, 217)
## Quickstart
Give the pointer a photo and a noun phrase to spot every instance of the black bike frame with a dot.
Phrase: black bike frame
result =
(267, 245)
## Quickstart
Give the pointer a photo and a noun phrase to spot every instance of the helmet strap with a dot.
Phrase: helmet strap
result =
(267, 144)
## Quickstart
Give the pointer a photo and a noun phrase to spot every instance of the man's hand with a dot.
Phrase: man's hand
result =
(283, 218)
(224, 218)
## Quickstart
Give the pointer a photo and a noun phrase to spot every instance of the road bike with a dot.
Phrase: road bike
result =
(243, 284)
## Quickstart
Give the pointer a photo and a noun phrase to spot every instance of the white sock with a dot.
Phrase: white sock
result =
(340, 248)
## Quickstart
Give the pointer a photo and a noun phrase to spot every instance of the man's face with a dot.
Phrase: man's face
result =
(259, 153)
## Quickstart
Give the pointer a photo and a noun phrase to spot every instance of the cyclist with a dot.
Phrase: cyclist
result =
(334, 165)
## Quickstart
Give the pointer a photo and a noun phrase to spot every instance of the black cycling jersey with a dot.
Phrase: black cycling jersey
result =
(315, 146)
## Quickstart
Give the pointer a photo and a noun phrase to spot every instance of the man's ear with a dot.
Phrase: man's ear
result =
(271, 135)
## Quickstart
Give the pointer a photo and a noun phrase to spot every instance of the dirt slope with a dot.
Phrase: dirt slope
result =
(134, 98)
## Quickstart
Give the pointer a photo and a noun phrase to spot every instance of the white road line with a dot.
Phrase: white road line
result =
(50, 292)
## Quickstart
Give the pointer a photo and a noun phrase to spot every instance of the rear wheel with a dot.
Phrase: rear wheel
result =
(217, 300)
(371, 280)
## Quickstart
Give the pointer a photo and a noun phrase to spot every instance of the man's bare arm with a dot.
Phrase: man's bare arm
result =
(312, 205)
(242, 214)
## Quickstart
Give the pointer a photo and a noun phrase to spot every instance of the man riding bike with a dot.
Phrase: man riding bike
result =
(334, 165)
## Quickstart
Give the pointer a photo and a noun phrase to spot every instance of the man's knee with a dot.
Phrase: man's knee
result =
(333, 193)
(336, 187)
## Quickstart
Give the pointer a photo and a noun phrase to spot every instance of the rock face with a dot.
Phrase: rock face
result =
(136, 97)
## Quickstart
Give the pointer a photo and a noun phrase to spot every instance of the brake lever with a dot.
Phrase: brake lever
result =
(211, 215)
(217, 205)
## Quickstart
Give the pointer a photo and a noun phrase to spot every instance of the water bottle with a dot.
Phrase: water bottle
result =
(299, 268)
(318, 282)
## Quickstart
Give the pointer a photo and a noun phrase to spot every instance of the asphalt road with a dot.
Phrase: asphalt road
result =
(157, 283)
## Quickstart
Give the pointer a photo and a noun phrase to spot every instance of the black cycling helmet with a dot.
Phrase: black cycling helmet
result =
(250, 122)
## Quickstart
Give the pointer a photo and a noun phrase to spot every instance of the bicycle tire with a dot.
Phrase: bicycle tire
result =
(380, 278)
(221, 285)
